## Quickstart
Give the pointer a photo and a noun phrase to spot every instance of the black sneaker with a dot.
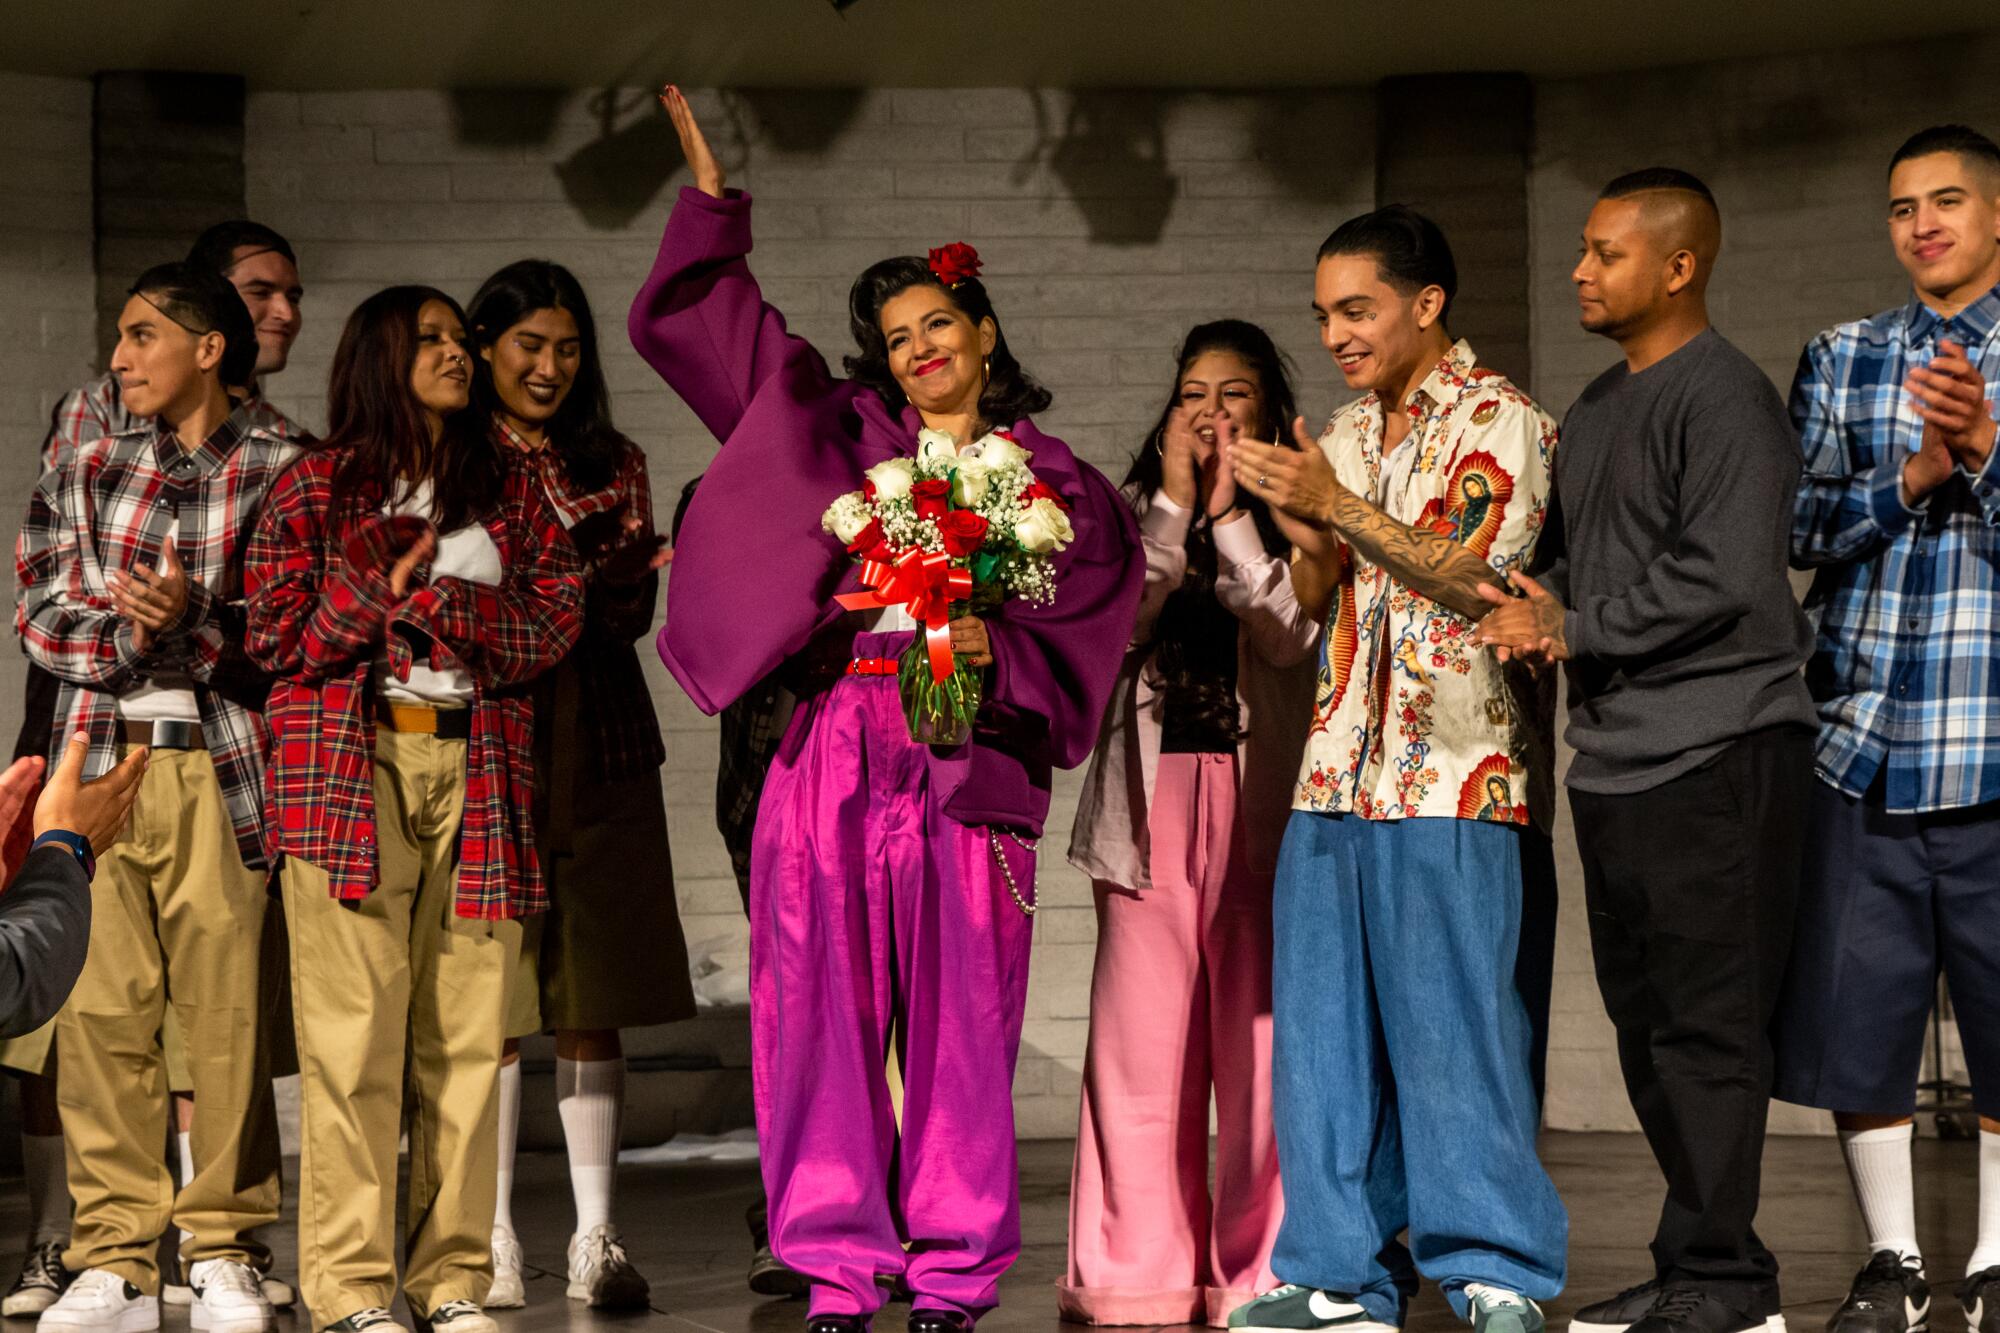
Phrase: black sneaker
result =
(1617, 1313)
(1681, 1309)
(43, 1279)
(373, 1319)
(768, 1277)
(1889, 1295)
(1981, 1298)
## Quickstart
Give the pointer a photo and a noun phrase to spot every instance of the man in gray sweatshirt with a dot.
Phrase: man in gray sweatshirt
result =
(1664, 589)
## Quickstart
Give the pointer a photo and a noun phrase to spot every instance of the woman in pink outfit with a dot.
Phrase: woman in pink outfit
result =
(1178, 826)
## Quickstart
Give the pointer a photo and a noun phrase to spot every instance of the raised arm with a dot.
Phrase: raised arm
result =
(700, 320)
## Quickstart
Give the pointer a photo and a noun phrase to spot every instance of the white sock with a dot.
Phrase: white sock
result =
(590, 1096)
(510, 1133)
(1878, 1162)
(1986, 1253)
(48, 1187)
(186, 1139)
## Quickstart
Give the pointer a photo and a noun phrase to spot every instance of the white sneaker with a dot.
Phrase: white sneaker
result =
(508, 1292)
(101, 1302)
(229, 1298)
(600, 1274)
(278, 1292)
(459, 1317)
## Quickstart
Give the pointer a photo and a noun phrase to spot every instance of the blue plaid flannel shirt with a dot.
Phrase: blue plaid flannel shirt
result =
(1906, 670)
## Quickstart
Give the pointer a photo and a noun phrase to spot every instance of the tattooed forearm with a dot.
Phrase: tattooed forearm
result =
(1427, 562)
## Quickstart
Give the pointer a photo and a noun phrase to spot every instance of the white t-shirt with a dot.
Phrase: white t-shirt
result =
(167, 696)
(469, 554)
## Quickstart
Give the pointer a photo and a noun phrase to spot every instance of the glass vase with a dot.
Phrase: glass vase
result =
(939, 712)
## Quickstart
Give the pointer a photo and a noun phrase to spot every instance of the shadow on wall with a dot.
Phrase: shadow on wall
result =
(617, 175)
(1110, 153)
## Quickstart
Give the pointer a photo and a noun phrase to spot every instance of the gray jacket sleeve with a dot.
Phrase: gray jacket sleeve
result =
(44, 933)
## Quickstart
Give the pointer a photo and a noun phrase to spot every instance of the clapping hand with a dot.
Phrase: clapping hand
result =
(1950, 396)
(151, 599)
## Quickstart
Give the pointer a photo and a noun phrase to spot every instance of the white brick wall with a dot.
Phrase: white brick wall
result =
(47, 288)
(1796, 150)
(374, 188)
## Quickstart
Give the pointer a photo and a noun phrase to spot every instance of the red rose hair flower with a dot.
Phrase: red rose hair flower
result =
(954, 263)
(962, 531)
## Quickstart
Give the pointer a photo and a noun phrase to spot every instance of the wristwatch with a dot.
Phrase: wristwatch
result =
(75, 844)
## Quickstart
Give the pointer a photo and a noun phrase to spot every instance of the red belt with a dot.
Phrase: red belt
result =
(872, 666)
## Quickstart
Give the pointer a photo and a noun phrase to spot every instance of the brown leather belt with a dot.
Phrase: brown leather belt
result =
(447, 724)
(164, 734)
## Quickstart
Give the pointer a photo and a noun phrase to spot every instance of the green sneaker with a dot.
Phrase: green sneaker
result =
(1497, 1310)
(1291, 1309)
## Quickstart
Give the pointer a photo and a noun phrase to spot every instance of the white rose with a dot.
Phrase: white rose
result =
(893, 478)
(935, 446)
(997, 451)
(846, 516)
(1043, 527)
(969, 483)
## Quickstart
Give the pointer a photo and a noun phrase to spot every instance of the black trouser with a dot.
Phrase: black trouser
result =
(1693, 890)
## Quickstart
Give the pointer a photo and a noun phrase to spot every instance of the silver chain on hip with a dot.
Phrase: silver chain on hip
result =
(1007, 871)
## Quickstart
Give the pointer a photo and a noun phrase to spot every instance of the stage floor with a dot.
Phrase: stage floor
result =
(684, 1228)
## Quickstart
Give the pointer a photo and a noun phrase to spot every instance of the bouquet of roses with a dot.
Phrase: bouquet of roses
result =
(950, 532)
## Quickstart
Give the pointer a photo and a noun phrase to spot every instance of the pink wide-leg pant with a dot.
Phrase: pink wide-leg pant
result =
(1180, 1003)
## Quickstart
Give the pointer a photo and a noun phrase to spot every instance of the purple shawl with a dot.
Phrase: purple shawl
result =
(754, 576)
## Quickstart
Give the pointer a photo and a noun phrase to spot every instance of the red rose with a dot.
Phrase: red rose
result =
(928, 497)
(868, 491)
(962, 530)
(1041, 490)
(866, 539)
(954, 263)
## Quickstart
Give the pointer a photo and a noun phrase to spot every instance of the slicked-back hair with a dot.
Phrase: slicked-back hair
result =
(1011, 392)
(1657, 178)
(203, 302)
(1972, 147)
(215, 249)
(1409, 250)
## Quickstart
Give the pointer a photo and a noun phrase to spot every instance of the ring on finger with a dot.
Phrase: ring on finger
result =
(1263, 480)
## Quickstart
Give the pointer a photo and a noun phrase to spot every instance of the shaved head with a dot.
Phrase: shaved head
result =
(1648, 248)
(1676, 212)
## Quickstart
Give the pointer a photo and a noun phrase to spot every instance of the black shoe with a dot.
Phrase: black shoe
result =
(768, 1277)
(1889, 1295)
(939, 1321)
(1981, 1298)
(1617, 1313)
(837, 1323)
(1682, 1309)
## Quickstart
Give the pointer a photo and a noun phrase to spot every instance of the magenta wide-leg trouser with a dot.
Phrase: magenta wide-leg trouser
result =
(867, 905)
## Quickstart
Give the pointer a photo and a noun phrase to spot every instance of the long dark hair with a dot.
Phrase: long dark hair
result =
(372, 412)
(581, 430)
(1010, 394)
(1192, 614)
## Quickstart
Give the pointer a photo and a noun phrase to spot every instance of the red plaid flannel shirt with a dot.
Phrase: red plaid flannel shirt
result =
(320, 610)
(618, 729)
(108, 508)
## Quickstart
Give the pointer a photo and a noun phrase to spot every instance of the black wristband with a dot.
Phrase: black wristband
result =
(75, 844)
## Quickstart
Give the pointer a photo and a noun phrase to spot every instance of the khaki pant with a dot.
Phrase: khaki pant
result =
(389, 990)
(177, 920)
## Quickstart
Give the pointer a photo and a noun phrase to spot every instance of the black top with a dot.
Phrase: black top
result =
(1667, 538)
(44, 933)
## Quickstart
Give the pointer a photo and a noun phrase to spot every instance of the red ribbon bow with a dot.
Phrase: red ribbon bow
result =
(923, 583)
